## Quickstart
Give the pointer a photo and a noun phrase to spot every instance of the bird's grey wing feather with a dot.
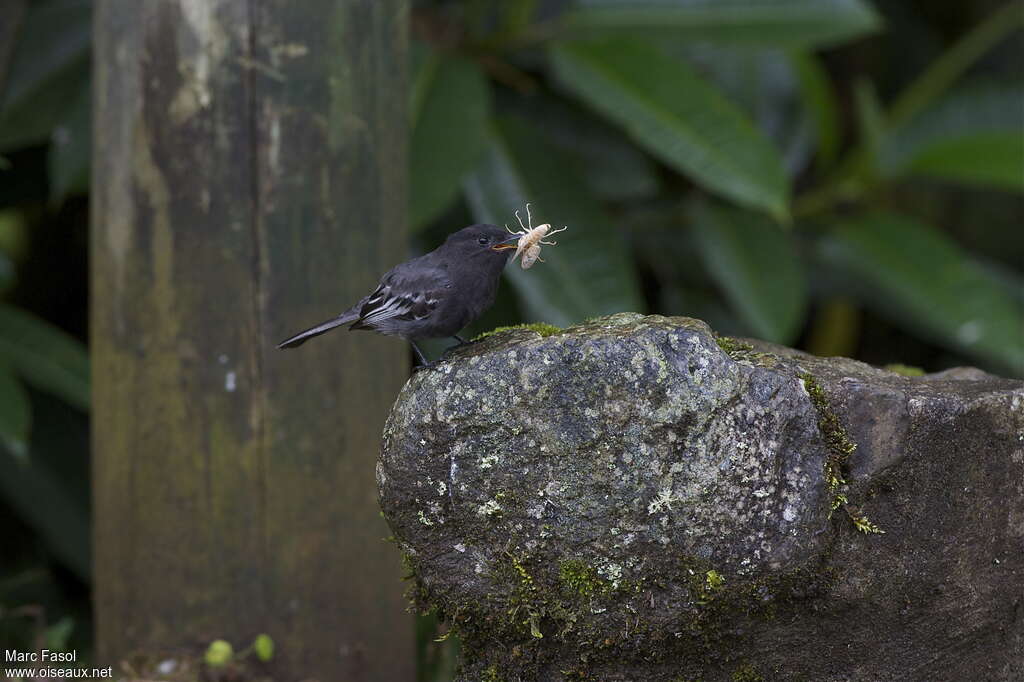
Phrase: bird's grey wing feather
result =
(404, 294)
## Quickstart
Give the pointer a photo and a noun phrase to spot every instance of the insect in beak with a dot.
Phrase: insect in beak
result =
(509, 243)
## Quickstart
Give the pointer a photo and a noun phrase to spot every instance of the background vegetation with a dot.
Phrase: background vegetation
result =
(837, 175)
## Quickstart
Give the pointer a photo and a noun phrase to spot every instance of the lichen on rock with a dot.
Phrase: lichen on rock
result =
(634, 496)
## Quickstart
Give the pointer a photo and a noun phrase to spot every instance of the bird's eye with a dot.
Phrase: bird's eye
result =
(483, 240)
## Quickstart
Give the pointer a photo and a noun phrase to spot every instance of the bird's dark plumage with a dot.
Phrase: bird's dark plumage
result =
(432, 296)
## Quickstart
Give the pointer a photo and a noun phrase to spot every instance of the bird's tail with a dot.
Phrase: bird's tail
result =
(322, 328)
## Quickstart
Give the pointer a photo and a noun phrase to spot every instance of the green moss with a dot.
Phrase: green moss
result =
(905, 370)
(743, 351)
(524, 577)
(491, 674)
(840, 448)
(746, 673)
(414, 593)
(832, 430)
(838, 441)
(530, 603)
(408, 568)
(577, 577)
(701, 580)
(863, 523)
(525, 604)
(539, 602)
(732, 346)
(542, 328)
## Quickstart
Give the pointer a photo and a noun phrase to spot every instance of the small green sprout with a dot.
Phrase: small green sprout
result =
(535, 627)
(838, 501)
(219, 653)
(524, 575)
(264, 647)
(864, 524)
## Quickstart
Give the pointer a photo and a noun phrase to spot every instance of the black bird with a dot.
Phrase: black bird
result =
(432, 296)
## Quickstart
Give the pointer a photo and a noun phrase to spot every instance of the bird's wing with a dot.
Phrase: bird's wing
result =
(404, 294)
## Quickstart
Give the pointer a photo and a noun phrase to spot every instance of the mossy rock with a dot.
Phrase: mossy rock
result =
(635, 498)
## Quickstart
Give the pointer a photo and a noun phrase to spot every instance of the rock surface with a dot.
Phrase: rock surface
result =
(634, 498)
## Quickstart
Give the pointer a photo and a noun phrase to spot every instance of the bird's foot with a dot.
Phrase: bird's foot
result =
(429, 365)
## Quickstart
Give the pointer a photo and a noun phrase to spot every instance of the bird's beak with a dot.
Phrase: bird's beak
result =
(510, 243)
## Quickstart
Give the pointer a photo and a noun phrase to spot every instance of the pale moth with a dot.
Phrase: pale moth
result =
(533, 237)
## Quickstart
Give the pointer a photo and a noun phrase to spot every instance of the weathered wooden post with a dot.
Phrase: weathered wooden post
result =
(249, 179)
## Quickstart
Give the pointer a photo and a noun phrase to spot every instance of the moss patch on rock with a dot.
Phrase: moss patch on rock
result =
(741, 351)
(836, 438)
(542, 328)
(905, 370)
(733, 346)
(578, 578)
(840, 446)
(747, 673)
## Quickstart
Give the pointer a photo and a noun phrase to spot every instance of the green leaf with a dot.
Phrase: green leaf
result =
(762, 83)
(589, 272)
(40, 498)
(974, 135)
(32, 122)
(15, 414)
(450, 108)
(58, 634)
(14, 233)
(756, 264)
(44, 356)
(71, 148)
(13, 245)
(516, 15)
(925, 284)
(7, 272)
(990, 159)
(55, 34)
(870, 118)
(612, 167)
(49, 67)
(780, 23)
(819, 99)
(955, 61)
(677, 117)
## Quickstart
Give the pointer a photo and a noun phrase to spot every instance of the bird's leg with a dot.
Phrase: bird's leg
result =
(460, 342)
(424, 364)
